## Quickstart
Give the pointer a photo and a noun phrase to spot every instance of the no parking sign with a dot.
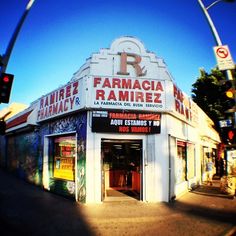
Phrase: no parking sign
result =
(223, 57)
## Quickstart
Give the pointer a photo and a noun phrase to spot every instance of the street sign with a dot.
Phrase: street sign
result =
(223, 58)
(225, 123)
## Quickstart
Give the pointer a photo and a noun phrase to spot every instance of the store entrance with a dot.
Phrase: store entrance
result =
(121, 169)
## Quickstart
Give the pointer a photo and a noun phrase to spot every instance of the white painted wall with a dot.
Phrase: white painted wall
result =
(93, 159)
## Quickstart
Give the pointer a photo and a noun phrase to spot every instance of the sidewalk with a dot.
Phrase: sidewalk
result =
(29, 210)
(213, 190)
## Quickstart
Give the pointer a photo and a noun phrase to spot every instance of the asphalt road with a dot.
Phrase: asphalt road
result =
(28, 210)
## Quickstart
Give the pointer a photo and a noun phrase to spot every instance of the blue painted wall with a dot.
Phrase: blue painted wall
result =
(22, 153)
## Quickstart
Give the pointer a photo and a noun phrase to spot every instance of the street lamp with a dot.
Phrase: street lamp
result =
(213, 28)
(5, 58)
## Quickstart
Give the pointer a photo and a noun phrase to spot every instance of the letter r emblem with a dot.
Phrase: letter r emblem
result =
(135, 63)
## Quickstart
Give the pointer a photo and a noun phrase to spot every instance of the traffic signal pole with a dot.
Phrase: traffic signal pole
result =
(5, 58)
(213, 29)
(229, 75)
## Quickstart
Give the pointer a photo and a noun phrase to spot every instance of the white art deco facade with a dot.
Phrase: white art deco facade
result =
(121, 127)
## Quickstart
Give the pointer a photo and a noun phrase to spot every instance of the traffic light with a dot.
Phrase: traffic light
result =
(5, 87)
(228, 95)
(2, 127)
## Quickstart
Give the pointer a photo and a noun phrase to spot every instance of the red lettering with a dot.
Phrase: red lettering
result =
(187, 113)
(112, 96)
(52, 98)
(139, 97)
(100, 94)
(139, 129)
(72, 102)
(175, 91)
(131, 96)
(68, 91)
(182, 109)
(46, 102)
(56, 96)
(96, 82)
(126, 83)
(75, 87)
(65, 104)
(148, 97)
(178, 94)
(123, 95)
(50, 110)
(106, 83)
(60, 107)
(61, 96)
(159, 86)
(116, 83)
(149, 117)
(157, 98)
(146, 85)
(177, 105)
(123, 129)
(136, 85)
(55, 108)
(41, 103)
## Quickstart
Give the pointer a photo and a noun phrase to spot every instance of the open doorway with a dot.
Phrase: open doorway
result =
(121, 169)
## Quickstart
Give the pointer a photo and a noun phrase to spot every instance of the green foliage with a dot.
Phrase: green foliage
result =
(206, 92)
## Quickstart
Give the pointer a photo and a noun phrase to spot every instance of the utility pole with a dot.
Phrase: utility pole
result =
(213, 28)
(229, 75)
(5, 58)
(7, 79)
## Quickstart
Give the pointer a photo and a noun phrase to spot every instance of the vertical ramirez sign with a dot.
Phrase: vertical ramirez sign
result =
(182, 104)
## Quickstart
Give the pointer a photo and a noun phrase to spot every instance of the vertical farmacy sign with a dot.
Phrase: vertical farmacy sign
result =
(127, 93)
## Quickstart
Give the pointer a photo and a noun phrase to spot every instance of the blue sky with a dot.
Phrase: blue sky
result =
(58, 36)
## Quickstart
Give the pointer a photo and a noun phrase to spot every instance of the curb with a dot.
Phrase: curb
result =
(232, 232)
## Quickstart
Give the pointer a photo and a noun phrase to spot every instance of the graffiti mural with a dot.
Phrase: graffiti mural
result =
(81, 170)
(23, 157)
(3, 158)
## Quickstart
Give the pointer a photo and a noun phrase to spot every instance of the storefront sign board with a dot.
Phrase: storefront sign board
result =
(126, 122)
(61, 101)
(126, 93)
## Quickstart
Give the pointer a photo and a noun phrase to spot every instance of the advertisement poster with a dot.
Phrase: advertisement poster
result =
(64, 158)
(126, 122)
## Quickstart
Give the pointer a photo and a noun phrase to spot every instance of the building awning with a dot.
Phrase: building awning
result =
(18, 120)
(21, 120)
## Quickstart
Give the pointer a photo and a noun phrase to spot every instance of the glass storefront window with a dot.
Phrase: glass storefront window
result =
(64, 158)
(181, 162)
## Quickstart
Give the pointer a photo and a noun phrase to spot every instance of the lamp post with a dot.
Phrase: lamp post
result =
(219, 43)
(213, 28)
(5, 58)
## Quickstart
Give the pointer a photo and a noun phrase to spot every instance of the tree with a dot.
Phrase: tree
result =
(207, 93)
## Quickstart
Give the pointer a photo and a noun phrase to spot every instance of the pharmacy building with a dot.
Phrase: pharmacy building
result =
(120, 129)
